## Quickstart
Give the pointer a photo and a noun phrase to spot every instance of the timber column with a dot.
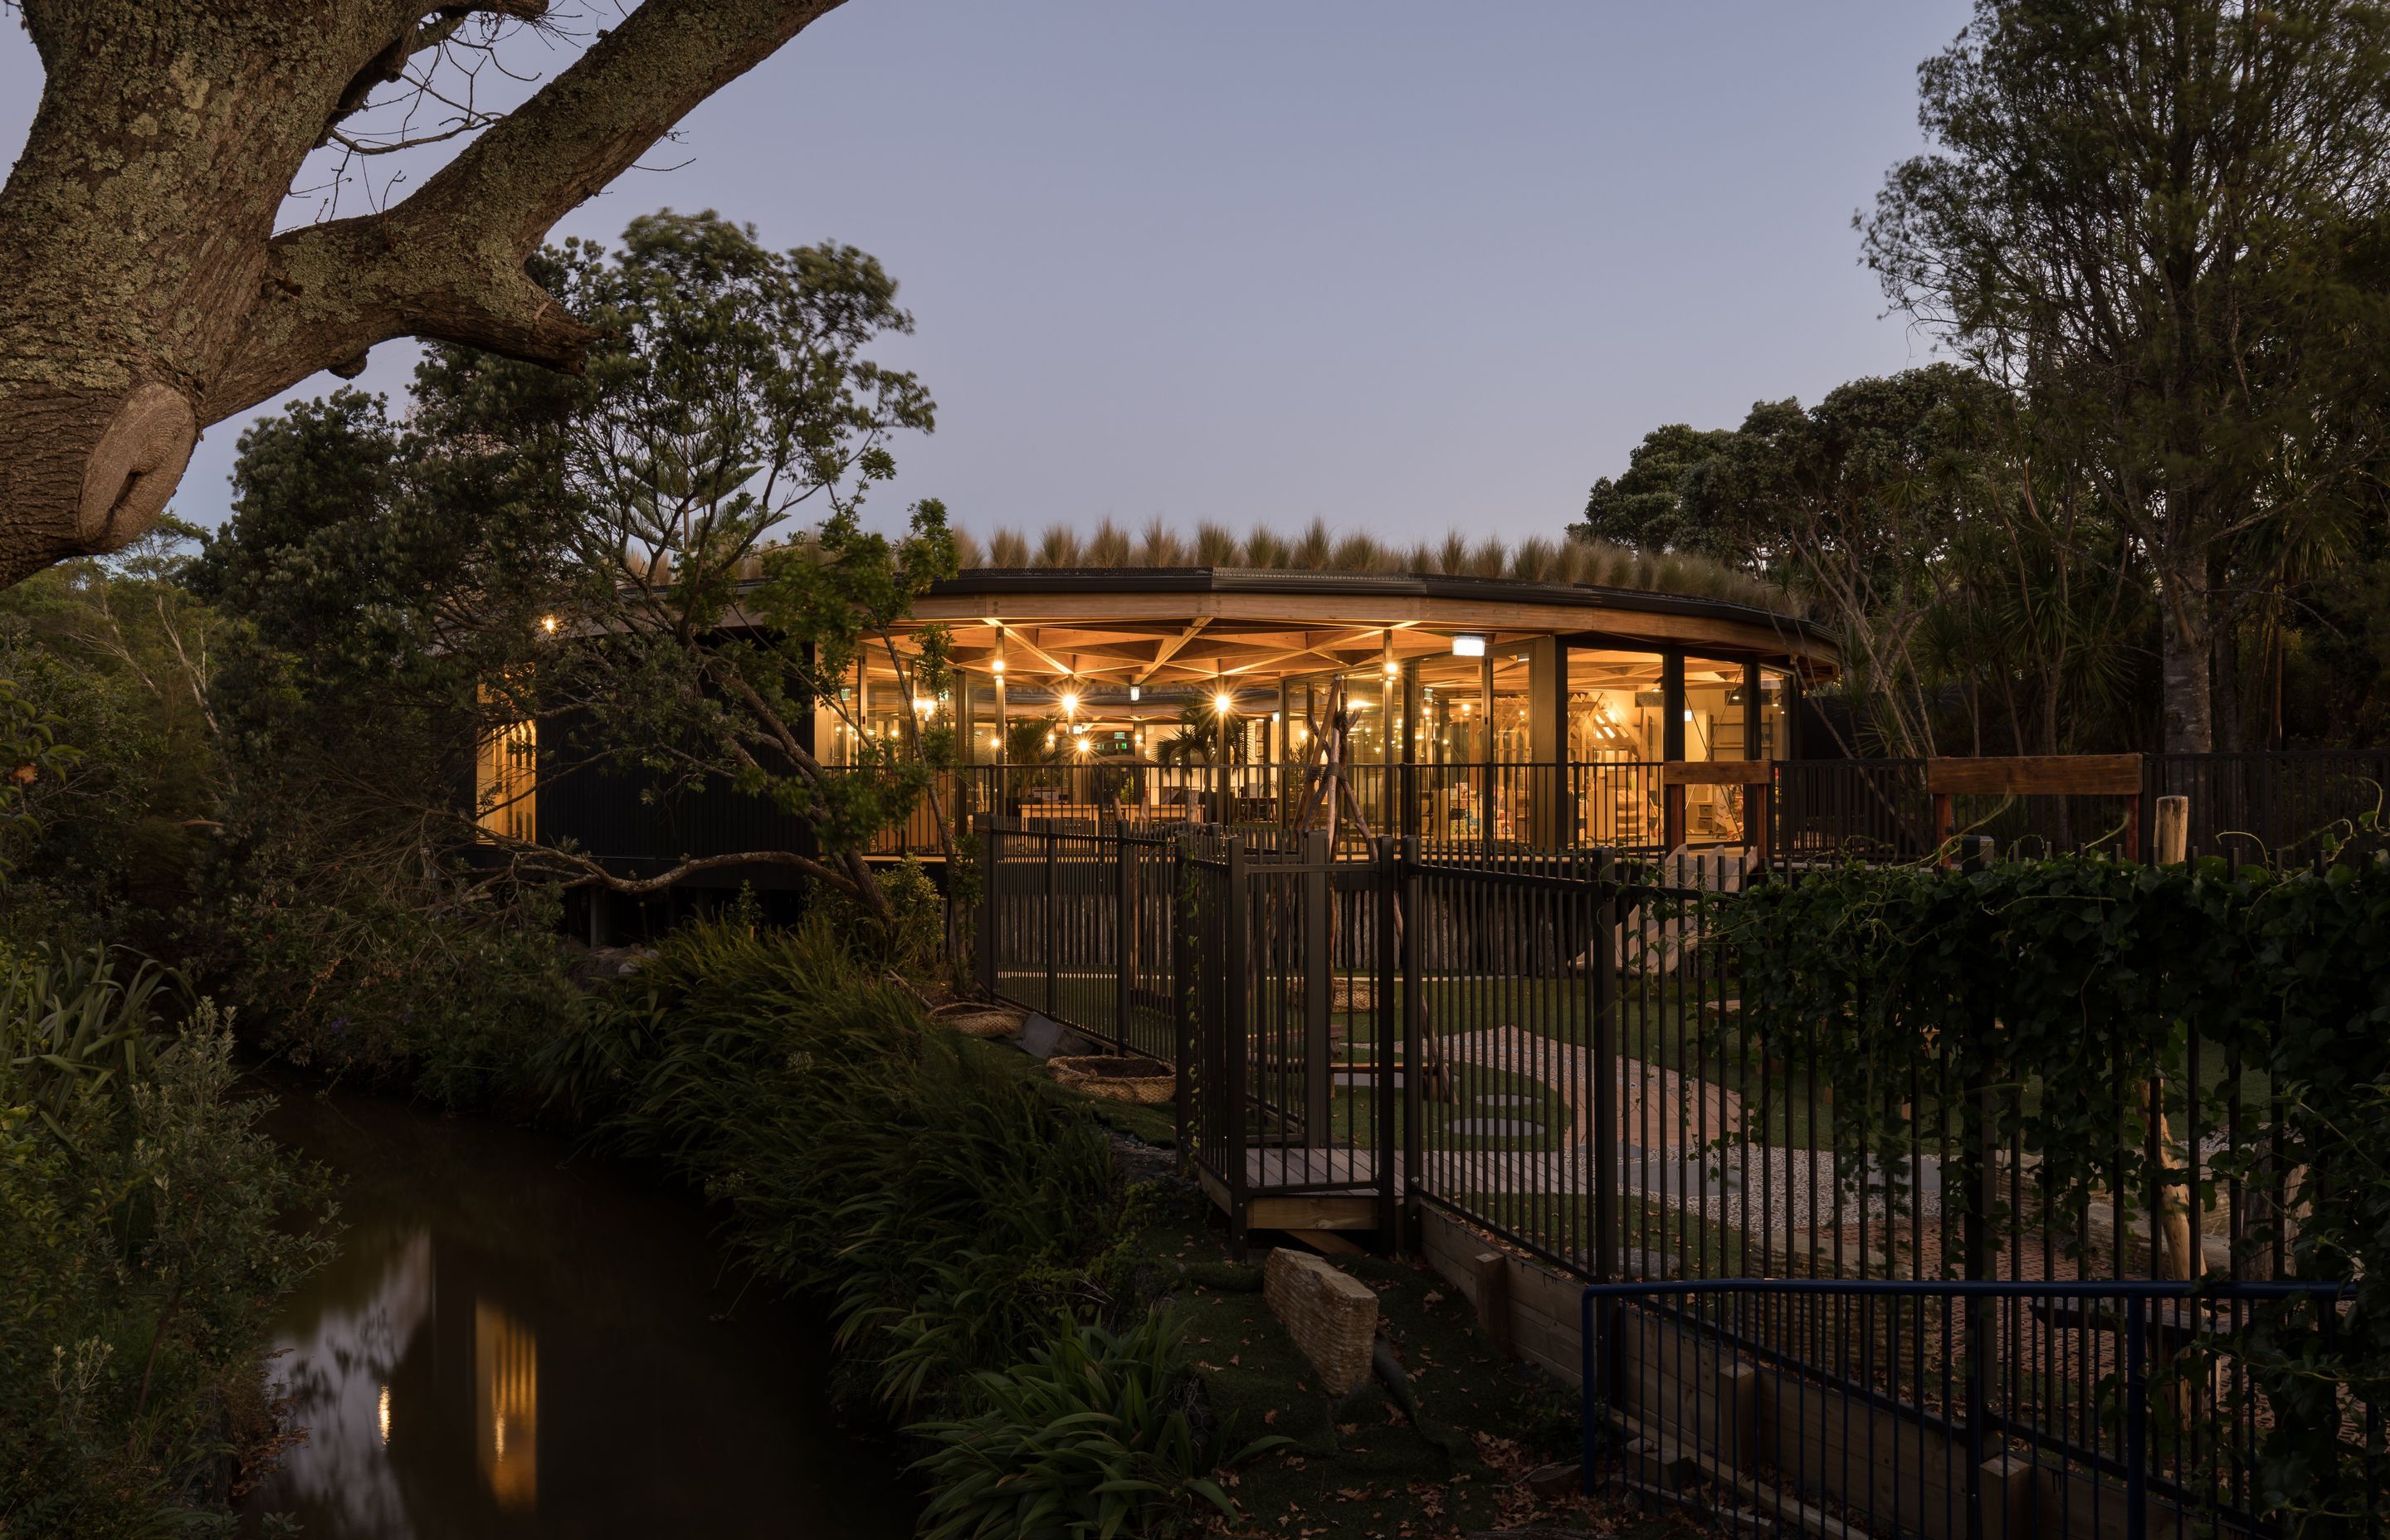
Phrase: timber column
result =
(1551, 816)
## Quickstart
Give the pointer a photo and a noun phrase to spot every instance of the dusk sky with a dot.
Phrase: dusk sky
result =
(1405, 266)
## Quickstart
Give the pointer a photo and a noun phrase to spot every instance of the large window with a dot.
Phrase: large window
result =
(506, 781)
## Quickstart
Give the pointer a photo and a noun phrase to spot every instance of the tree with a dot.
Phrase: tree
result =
(115, 658)
(1979, 591)
(148, 295)
(2159, 221)
(608, 557)
(1643, 509)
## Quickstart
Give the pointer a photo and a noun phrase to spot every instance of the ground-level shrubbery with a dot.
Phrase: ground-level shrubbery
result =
(974, 1232)
(148, 1232)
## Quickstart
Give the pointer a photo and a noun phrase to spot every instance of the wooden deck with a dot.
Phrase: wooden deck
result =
(1282, 1189)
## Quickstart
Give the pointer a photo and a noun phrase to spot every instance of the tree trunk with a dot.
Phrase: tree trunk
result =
(2186, 715)
(146, 294)
(2228, 718)
(133, 230)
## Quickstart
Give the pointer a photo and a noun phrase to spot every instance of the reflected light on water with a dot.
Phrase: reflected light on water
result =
(506, 1406)
(382, 1414)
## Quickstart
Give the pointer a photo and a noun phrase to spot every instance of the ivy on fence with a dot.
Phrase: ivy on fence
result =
(2120, 1027)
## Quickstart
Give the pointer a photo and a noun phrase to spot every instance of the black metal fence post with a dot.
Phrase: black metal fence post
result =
(1601, 957)
(1124, 955)
(2137, 1420)
(1413, 1002)
(1182, 1006)
(1319, 990)
(1381, 1046)
(1235, 989)
(1050, 926)
(992, 851)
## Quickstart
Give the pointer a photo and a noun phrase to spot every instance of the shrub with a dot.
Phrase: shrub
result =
(145, 1239)
(1091, 1437)
(967, 1226)
(397, 983)
(860, 1151)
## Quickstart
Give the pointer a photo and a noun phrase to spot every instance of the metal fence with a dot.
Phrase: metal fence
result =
(2269, 808)
(1560, 1044)
(1557, 1049)
(2266, 808)
(1960, 1410)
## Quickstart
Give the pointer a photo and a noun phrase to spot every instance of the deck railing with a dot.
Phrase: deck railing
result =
(2266, 808)
(2269, 808)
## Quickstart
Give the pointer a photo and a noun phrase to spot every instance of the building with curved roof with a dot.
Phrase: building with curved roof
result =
(1235, 669)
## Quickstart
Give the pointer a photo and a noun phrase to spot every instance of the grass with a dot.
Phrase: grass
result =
(1318, 548)
(1355, 1113)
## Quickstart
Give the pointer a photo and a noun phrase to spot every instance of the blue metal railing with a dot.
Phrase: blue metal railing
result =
(1603, 1360)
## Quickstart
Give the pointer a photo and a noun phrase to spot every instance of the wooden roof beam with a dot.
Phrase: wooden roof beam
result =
(1169, 649)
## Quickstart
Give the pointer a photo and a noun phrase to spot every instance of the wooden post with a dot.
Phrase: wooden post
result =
(1672, 704)
(1749, 775)
(1734, 1437)
(1489, 1277)
(2172, 835)
(2012, 1505)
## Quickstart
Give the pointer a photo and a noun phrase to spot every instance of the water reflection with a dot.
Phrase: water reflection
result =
(506, 1406)
(509, 1346)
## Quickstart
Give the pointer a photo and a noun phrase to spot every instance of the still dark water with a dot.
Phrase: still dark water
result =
(516, 1344)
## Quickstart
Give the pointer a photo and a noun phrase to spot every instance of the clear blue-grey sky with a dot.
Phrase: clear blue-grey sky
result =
(1405, 265)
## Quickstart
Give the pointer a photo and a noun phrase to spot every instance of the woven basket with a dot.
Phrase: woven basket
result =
(978, 1020)
(1147, 1082)
(1352, 994)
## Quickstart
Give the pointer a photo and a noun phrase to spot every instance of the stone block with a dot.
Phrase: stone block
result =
(1333, 1316)
(1043, 1037)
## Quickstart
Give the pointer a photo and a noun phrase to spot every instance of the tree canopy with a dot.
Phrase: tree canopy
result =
(2165, 224)
(613, 557)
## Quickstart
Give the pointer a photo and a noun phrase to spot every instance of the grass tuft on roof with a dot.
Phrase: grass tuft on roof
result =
(1320, 549)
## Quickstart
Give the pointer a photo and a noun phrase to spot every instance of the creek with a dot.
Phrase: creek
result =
(520, 1342)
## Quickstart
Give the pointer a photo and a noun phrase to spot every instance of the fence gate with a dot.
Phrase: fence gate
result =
(1295, 1076)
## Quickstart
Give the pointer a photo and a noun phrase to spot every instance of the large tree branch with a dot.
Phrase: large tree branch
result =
(447, 263)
